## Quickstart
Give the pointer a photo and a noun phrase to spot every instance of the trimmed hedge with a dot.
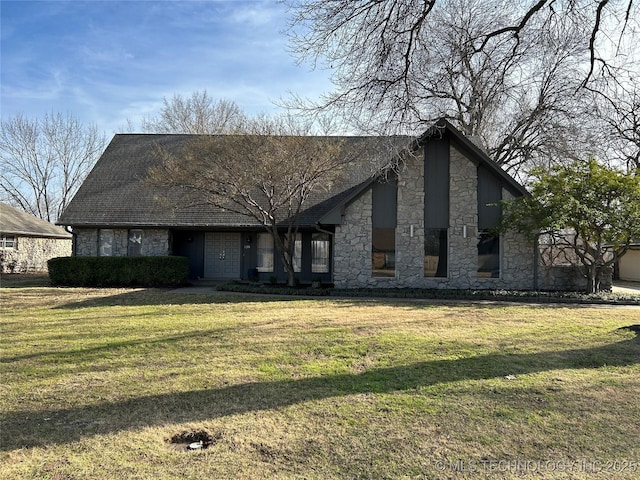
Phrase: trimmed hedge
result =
(119, 271)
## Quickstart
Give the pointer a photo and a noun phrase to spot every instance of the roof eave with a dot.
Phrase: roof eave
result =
(472, 148)
(22, 233)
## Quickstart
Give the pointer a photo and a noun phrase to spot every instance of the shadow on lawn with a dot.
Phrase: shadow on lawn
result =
(53, 426)
(58, 356)
(159, 296)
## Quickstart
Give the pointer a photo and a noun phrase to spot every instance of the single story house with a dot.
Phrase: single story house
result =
(426, 223)
(27, 242)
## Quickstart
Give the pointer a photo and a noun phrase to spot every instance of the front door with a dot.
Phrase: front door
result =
(222, 255)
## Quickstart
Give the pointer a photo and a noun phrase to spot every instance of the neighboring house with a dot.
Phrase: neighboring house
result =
(629, 264)
(426, 223)
(27, 242)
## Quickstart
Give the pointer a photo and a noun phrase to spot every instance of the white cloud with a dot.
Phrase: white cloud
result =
(115, 61)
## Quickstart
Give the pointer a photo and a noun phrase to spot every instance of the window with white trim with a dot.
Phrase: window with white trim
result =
(8, 242)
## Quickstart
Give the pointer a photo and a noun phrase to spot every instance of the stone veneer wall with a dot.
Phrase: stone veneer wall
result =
(155, 242)
(32, 254)
(352, 246)
(571, 278)
(463, 211)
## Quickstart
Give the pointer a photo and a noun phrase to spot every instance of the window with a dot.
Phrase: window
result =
(320, 253)
(134, 247)
(488, 255)
(265, 253)
(435, 252)
(384, 207)
(8, 241)
(383, 252)
(297, 254)
(105, 243)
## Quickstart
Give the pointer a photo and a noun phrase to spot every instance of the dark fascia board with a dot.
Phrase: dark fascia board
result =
(439, 128)
(173, 226)
(476, 152)
(209, 228)
(338, 210)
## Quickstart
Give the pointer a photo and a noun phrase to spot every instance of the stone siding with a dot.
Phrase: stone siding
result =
(410, 214)
(352, 245)
(32, 254)
(352, 261)
(155, 242)
(463, 212)
(86, 242)
(571, 278)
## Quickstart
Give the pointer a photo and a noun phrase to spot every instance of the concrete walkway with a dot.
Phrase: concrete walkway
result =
(626, 287)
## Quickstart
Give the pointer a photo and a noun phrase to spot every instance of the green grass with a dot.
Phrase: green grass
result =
(95, 382)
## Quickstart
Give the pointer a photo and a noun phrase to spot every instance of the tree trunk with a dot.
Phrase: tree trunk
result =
(592, 279)
(291, 276)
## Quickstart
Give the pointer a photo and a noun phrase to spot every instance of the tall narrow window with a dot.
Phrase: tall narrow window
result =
(435, 252)
(489, 211)
(383, 231)
(134, 247)
(436, 207)
(265, 252)
(488, 255)
(297, 254)
(105, 243)
(320, 253)
(383, 248)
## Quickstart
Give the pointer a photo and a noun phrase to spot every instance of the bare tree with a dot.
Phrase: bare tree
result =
(509, 73)
(44, 161)
(198, 114)
(616, 103)
(331, 30)
(268, 173)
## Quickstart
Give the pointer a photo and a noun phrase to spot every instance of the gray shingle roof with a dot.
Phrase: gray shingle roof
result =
(19, 223)
(115, 192)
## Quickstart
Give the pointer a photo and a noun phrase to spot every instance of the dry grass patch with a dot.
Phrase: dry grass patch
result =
(97, 382)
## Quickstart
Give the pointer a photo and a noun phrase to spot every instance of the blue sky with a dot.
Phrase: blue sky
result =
(106, 61)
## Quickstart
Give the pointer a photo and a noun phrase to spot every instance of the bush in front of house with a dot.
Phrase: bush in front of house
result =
(119, 271)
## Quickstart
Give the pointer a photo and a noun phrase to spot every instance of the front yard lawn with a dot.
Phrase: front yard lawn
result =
(97, 382)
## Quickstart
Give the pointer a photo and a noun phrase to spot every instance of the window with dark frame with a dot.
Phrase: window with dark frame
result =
(384, 206)
(436, 208)
(265, 253)
(105, 243)
(436, 246)
(383, 252)
(488, 254)
(297, 254)
(134, 246)
(320, 244)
